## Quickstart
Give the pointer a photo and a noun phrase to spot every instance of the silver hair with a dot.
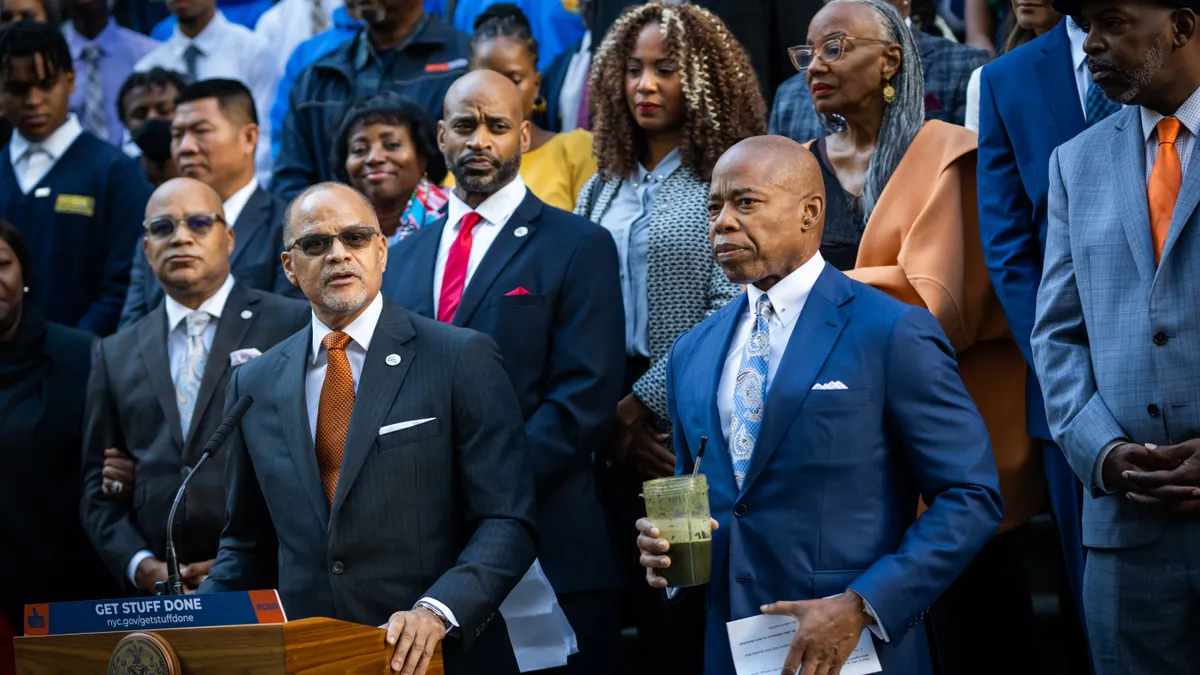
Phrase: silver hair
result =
(903, 118)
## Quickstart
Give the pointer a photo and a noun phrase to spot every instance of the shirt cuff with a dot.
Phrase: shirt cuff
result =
(131, 568)
(1098, 467)
(876, 627)
(443, 609)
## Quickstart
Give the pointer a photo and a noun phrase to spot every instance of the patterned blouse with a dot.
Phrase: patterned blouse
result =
(427, 204)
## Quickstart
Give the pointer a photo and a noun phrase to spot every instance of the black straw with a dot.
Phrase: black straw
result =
(699, 455)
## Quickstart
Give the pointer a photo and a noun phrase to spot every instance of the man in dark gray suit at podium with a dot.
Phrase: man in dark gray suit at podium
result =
(382, 472)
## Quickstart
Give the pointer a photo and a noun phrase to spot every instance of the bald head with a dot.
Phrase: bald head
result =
(767, 208)
(187, 241)
(197, 195)
(324, 195)
(483, 134)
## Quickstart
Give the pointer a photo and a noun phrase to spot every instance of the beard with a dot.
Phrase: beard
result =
(501, 174)
(346, 302)
(1135, 81)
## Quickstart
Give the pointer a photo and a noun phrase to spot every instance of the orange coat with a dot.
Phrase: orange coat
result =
(922, 246)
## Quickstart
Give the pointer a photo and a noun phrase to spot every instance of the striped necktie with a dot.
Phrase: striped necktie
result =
(94, 118)
(320, 21)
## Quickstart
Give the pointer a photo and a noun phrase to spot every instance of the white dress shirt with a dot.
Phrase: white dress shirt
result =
(177, 349)
(289, 23)
(230, 51)
(574, 82)
(237, 201)
(361, 330)
(32, 161)
(495, 210)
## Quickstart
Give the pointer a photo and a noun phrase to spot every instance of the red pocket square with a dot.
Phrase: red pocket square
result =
(517, 291)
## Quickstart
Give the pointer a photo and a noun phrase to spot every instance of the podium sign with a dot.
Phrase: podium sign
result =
(154, 613)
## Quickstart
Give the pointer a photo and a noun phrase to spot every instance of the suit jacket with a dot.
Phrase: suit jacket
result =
(564, 352)
(1114, 341)
(684, 284)
(1015, 142)
(922, 246)
(131, 406)
(553, 76)
(829, 501)
(442, 509)
(947, 67)
(255, 259)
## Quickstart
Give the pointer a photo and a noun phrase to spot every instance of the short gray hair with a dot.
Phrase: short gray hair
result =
(904, 117)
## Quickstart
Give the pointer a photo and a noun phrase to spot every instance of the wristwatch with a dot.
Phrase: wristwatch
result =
(436, 612)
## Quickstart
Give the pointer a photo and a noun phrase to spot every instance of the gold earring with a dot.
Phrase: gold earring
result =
(889, 92)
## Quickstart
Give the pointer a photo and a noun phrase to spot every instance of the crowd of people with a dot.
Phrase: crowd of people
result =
(485, 268)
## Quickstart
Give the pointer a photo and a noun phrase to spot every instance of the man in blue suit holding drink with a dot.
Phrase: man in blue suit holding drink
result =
(829, 409)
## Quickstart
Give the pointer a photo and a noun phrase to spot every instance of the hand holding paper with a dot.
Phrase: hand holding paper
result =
(827, 631)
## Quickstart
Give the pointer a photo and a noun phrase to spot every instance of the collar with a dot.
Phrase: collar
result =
(365, 53)
(496, 209)
(237, 202)
(55, 144)
(105, 40)
(669, 165)
(791, 292)
(1077, 37)
(1188, 114)
(585, 45)
(207, 40)
(360, 330)
(214, 305)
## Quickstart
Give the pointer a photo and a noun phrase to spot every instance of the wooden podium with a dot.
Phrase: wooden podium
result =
(307, 646)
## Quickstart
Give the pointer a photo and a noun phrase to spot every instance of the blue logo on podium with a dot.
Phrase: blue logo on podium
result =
(36, 620)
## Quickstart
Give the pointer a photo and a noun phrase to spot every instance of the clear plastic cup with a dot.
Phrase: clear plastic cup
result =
(678, 507)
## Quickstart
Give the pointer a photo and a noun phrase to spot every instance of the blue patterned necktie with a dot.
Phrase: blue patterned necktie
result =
(750, 392)
(187, 382)
(94, 119)
(1098, 105)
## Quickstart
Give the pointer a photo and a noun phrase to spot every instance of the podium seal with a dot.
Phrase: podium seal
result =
(143, 654)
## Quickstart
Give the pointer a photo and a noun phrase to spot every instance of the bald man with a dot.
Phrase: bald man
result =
(400, 486)
(836, 407)
(157, 390)
(545, 285)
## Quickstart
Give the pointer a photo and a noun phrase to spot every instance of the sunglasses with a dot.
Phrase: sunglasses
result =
(199, 224)
(831, 50)
(352, 238)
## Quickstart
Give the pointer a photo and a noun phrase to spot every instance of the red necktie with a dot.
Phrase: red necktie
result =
(454, 280)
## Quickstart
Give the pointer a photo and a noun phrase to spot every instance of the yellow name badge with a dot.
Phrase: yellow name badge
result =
(75, 204)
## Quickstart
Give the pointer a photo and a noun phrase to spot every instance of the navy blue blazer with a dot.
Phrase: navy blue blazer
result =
(553, 76)
(830, 499)
(563, 341)
(255, 260)
(1028, 106)
(80, 222)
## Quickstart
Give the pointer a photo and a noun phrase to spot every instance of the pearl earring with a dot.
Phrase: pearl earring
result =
(26, 289)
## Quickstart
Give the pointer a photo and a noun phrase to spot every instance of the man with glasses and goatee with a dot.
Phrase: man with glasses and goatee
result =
(157, 391)
(393, 446)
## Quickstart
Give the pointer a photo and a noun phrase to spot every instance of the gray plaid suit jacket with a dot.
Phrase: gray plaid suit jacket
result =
(946, 65)
(1117, 339)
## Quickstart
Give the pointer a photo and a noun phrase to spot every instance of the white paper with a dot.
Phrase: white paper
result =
(760, 646)
(539, 631)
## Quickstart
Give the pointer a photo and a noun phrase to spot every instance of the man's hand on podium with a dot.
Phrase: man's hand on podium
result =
(416, 634)
(194, 574)
(149, 572)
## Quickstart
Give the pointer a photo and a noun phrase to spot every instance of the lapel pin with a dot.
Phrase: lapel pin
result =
(41, 192)
(392, 360)
(246, 314)
(521, 231)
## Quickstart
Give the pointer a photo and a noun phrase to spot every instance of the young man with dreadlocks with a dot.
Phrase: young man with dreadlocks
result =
(77, 200)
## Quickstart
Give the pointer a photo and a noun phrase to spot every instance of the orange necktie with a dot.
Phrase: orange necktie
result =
(1165, 180)
(333, 413)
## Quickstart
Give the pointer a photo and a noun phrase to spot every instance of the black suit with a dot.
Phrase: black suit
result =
(553, 77)
(563, 341)
(442, 509)
(255, 260)
(131, 406)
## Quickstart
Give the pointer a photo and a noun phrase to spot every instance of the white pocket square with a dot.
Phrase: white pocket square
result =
(400, 426)
(240, 356)
(830, 386)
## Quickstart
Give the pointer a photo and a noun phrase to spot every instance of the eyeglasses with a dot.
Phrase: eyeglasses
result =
(199, 224)
(831, 50)
(352, 238)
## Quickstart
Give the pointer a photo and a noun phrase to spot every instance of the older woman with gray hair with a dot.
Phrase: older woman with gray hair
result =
(901, 215)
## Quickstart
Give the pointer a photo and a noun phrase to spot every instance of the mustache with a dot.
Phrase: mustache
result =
(463, 159)
(1095, 64)
(330, 272)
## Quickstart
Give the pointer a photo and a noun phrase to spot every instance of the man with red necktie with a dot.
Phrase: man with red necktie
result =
(545, 285)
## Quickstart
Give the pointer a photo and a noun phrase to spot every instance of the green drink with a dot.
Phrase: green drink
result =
(678, 507)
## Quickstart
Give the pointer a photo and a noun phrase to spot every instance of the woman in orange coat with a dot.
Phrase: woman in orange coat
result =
(901, 216)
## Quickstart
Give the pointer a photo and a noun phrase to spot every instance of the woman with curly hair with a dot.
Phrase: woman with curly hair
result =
(688, 93)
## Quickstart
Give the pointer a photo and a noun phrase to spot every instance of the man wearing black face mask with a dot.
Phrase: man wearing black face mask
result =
(145, 105)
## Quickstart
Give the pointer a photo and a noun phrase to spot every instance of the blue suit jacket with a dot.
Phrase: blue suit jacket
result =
(255, 260)
(1028, 106)
(830, 499)
(564, 351)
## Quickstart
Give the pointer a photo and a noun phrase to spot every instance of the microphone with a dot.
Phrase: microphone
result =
(174, 583)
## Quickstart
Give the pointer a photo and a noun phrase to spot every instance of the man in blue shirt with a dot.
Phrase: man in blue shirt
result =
(77, 200)
(401, 49)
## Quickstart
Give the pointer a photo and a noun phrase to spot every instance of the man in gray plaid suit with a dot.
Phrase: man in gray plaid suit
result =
(1117, 339)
